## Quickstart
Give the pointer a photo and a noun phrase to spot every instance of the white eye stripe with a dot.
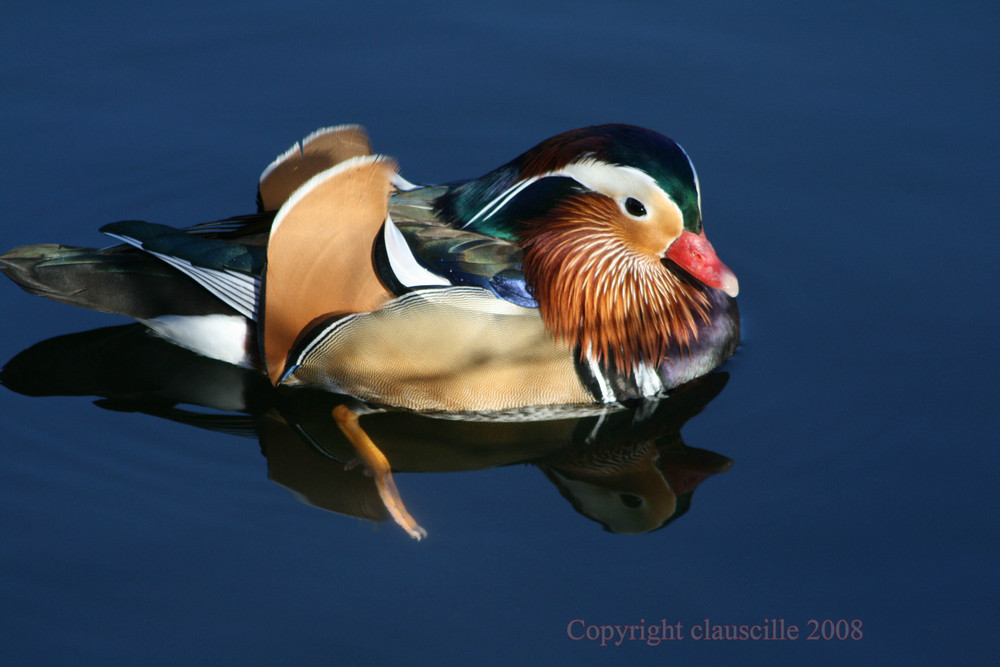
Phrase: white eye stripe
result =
(616, 181)
(613, 180)
(624, 183)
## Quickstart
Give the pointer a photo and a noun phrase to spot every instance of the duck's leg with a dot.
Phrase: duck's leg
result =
(378, 465)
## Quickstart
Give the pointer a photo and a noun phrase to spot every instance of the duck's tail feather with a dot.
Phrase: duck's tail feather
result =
(231, 271)
(118, 280)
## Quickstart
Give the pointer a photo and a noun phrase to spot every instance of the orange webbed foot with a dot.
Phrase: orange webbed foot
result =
(376, 463)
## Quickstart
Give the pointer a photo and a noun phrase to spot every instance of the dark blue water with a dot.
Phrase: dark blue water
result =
(847, 155)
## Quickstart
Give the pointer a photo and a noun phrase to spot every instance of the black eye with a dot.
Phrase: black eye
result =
(635, 207)
(628, 500)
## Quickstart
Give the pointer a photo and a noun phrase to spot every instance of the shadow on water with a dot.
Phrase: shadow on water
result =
(626, 468)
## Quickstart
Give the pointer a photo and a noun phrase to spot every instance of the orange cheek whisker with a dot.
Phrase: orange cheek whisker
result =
(595, 291)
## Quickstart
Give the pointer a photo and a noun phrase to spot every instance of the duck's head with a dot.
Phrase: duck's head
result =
(610, 220)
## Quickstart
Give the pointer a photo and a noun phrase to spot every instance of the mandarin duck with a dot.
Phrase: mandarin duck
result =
(577, 273)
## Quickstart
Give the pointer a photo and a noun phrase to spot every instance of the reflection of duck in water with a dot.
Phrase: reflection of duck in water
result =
(576, 274)
(626, 468)
(634, 490)
(633, 473)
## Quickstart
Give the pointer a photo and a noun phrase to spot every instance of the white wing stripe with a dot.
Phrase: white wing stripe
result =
(404, 265)
(235, 289)
(238, 290)
(501, 200)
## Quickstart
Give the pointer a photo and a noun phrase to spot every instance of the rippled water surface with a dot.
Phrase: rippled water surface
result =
(847, 157)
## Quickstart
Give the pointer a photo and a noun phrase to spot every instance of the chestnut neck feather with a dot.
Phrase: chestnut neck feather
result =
(621, 307)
